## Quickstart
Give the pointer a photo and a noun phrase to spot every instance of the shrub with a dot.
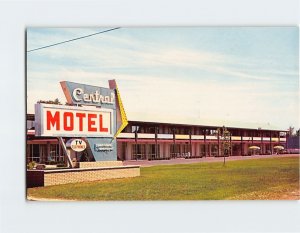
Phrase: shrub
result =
(31, 165)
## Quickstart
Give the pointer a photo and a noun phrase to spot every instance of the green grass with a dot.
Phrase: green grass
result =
(269, 178)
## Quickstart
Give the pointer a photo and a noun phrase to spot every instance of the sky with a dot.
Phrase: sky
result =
(233, 76)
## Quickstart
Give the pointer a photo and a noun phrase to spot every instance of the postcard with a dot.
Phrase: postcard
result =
(162, 113)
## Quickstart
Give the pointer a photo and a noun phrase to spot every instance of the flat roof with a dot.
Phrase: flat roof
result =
(204, 126)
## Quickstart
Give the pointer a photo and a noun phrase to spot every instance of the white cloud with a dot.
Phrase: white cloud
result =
(210, 99)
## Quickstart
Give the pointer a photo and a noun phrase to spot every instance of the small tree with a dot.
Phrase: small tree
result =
(224, 136)
(291, 131)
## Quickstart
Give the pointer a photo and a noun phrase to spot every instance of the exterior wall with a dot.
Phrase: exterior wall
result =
(293, 142)
(167, 150)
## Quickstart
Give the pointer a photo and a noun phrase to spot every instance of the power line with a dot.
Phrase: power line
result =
(78, 38)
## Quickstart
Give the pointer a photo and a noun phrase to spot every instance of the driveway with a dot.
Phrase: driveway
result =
(146, 163)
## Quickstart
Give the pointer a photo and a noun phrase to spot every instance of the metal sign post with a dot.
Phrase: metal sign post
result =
(63, 145)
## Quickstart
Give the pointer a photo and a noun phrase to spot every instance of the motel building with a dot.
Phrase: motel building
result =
(89, 138)
(141, 140)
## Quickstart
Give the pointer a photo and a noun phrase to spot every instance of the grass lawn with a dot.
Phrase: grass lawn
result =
(271, 178)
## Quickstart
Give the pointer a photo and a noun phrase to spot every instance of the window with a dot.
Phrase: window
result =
(150, 130)
(171, 130)
(33, 153)
(54, 155)
(186, 131)
(180, 150)
(186, 150)
(213, 132)
(134, 128)
(153, 151)
(138, 151)
(39, 153)
(202, 150)
(214, 150)
(30, 124)
(282, 134)
(174, 150)
(127, 129)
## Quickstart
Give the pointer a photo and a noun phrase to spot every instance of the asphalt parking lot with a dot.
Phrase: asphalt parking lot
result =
(146, 163)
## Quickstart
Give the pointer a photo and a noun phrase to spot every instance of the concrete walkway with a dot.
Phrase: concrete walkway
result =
(146, 163)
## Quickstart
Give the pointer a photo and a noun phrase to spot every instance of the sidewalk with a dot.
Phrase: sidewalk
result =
(146, 163)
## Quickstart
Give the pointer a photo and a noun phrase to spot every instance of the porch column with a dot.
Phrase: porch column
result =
(161, 150)
(196, 149)
(128, 154)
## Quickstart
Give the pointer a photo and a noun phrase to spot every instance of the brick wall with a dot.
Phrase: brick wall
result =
(100, 164)
(64, 176)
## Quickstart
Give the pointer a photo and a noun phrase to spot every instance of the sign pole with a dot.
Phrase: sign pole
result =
(63, 145)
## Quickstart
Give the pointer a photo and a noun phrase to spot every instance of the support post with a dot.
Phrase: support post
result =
(67, 156)
(205, 151)
(190, 141)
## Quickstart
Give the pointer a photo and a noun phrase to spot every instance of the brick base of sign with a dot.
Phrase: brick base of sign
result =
(100, 164)
(64, 176)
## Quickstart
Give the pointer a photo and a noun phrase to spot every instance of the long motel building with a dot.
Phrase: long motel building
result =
(142, 140)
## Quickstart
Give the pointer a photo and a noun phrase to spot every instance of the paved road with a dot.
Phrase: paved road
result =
(145, 163)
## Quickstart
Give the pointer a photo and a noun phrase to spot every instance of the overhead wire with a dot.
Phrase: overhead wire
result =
(77, 38)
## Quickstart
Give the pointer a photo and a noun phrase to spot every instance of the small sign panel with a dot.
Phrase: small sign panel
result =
(78, 145)
(69, 121)
(103, 147)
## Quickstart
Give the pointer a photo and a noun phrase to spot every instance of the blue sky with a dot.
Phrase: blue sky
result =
(234, 76)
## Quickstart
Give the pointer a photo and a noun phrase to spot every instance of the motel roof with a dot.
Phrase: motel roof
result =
(204, 126)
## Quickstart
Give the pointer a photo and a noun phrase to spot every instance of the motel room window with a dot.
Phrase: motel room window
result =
(138, 151)
(54, 154)
(208, 132)
(151, 130)
(214, 132)
(134, 129)
(175, 150)
(127, 129)
(256, 134)
(147, 129)
(202, 150)
(161, 129)
(186, 131)
(201, 132)
(152, 154)
(236, 149)
(30, 124)
(282, 134)
(214, 150)
(32, 152)
(170, 130)
(186, 150)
